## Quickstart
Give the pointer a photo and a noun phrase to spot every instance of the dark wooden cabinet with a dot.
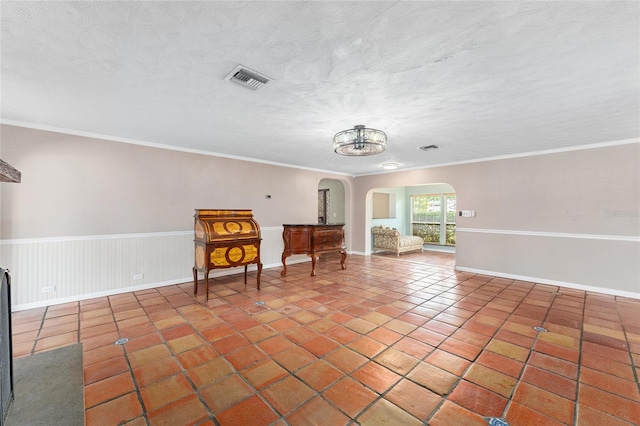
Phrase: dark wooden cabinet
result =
(313, 240)
(225, 239)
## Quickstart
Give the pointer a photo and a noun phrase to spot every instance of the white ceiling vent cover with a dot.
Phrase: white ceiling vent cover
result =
(247, 77)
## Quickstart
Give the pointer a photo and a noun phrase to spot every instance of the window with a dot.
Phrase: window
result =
(433, 217)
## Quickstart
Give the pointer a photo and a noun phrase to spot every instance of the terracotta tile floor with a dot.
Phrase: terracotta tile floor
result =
(387, 341)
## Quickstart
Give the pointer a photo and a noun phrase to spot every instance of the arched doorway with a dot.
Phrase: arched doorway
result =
(428, 211)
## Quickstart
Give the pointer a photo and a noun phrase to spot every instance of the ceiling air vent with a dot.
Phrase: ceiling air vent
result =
(247, 77)
(429, 147)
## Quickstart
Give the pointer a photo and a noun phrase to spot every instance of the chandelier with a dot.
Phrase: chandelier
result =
(359, 141)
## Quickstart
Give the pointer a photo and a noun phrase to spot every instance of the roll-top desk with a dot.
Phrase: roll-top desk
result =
(225, 239)
(313, 240)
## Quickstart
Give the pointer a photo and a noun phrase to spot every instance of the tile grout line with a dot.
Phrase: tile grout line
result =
(445, 285)
(634, 368)
(236, 372)
(498, 329)
(130, 369)
(35, 340)
(579, 363)
(524, 364)
(182, 368)
(340, 345)
(445, 398)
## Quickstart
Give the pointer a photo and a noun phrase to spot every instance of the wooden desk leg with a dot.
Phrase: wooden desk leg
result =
(284, 266)
(206, 280)
(195, 281)
(259, 272)
(245, 274)
(343, 257)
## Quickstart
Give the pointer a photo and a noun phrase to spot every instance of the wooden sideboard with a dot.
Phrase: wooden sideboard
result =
(313, 240)
(225, 239)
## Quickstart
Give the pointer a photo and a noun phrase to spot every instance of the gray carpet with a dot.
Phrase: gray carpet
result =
(48, 389)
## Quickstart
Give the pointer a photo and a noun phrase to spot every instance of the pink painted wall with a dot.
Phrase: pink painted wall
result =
(592, 194)
(74, 185)
(568, 217)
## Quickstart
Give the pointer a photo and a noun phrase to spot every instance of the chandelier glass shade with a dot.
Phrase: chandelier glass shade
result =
(359, 141)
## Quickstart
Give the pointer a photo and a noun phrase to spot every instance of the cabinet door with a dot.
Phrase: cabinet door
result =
(300, 240)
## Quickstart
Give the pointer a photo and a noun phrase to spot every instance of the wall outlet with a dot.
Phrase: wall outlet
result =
(50, 289)
(138, 276)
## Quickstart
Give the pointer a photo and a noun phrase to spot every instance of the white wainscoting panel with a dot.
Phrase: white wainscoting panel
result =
(606, 263)
(77, 268)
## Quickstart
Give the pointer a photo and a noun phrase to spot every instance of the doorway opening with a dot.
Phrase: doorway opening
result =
(427, 211)
(323, 206)
(331, 202)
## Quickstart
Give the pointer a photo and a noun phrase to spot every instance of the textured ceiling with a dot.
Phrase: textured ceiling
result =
(480, 79)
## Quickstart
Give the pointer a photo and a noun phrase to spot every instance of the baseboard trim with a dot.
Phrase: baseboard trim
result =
(113, 292)
(609, 291)
(214, 274)
(440, 249)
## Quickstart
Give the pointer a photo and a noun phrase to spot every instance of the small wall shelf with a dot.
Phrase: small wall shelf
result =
(384, 205)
